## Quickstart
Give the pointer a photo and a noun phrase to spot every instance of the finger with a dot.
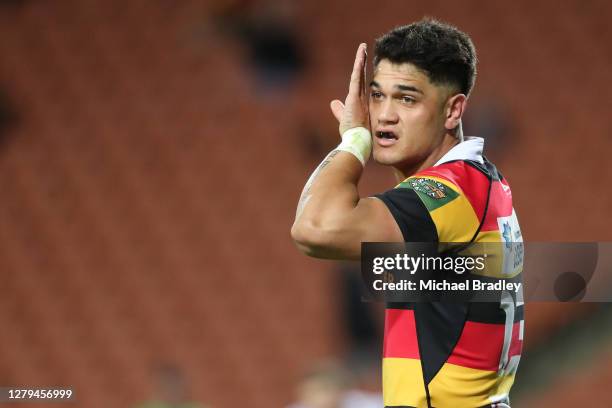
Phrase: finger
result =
(355, 83)
(356, 75)
(337, 108)
(364, 71)
(364, 86)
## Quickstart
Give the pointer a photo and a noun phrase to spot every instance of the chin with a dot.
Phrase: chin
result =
(383, 161)
(402, 163)
(386, 157)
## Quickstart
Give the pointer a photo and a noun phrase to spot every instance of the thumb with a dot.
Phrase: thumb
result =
(337, 108)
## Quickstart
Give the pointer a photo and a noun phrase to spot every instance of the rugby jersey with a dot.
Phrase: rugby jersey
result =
(454, 355)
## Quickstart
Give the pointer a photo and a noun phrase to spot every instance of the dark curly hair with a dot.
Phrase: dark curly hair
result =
(443, 52)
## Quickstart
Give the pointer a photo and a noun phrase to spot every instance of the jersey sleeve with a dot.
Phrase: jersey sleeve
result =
(430, 209)
(410, 214)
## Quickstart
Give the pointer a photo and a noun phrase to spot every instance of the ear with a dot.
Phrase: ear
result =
(455, 107)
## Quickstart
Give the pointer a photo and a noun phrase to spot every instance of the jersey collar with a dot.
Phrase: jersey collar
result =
(470, 149)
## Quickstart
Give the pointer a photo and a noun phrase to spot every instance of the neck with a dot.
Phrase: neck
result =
(449, 141)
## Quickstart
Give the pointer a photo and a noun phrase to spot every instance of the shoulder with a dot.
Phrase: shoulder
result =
(455, 195)
(447, 201)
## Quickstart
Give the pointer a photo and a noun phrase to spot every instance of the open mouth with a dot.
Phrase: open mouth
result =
(386, 138)
(386, 135)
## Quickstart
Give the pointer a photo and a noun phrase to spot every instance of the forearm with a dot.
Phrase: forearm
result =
(331, 190)
(326, 203)
(325, 218)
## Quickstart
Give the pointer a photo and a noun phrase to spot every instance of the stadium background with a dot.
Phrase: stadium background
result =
(151, 157)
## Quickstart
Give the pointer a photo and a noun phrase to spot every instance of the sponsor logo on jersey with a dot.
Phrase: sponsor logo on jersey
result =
(513, 253)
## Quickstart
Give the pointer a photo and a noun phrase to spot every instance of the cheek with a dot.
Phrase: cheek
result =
(422, 120)
(416, 120)
(372, 108)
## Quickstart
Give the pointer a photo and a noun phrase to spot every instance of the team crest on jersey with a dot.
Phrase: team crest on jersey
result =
(429, 187)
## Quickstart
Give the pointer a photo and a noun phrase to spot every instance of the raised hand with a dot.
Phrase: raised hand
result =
(354, 111)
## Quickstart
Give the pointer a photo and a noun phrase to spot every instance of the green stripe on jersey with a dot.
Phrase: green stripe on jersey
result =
(433, 193)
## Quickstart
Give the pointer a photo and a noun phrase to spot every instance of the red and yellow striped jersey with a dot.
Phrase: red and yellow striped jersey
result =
(448, 355)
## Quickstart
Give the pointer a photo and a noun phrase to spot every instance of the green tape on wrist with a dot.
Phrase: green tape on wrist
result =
(358, 142)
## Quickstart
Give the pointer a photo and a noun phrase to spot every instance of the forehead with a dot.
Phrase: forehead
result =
(387, 73)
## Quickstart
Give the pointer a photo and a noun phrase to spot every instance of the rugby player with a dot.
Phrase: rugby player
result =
(409, 118)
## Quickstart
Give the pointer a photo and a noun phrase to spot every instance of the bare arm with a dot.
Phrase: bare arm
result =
(331, 219)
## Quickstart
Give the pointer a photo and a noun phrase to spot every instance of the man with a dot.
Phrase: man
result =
(435, 354)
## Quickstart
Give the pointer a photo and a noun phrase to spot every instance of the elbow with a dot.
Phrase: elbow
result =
(311, 239)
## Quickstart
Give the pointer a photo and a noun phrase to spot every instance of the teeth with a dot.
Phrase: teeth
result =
(386, 135)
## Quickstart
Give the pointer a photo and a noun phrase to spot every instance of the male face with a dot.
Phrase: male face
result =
(407, 114)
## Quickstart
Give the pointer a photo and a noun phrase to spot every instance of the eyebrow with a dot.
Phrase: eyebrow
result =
(400, 87)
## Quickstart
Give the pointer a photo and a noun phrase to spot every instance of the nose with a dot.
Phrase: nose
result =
(387, 113)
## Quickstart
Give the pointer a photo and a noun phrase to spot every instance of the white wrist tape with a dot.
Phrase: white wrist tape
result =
(358, 142)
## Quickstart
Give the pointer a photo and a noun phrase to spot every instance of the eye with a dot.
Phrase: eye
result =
(407, 99)
(376, 95)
